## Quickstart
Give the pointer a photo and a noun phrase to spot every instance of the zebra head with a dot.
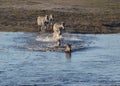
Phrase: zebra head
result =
(62, 25)
(46, 18)
(51, 19)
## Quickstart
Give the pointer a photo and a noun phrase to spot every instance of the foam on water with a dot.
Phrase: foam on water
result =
(66, 36)
(46, 42)
(45, 38)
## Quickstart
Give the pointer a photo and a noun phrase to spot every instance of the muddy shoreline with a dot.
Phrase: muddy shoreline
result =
(15, 19)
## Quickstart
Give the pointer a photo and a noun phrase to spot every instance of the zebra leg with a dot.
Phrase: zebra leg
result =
(38, 28)
(58, 42)
(41, 28)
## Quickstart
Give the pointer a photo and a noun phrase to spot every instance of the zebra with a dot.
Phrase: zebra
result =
(42, 22)
(57, 30)
(57, 27)
(51, 19)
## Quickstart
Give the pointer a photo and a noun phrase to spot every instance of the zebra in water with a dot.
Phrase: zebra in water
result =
(57, 32)
(57, 29)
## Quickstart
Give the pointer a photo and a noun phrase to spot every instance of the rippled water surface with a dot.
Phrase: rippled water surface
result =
(97, 64)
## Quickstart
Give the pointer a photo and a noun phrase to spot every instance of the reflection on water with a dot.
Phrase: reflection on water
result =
(96, 65)
(68, 55)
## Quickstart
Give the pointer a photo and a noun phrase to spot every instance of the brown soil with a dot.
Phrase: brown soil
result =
(79, 18)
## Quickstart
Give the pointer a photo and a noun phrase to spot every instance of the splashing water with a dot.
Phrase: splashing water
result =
(65, 36)
(45, 38)
(46, 42)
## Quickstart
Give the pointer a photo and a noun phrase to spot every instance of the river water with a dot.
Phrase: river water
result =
(96, 64)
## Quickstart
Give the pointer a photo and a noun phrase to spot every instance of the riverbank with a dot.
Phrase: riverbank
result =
(78, 19)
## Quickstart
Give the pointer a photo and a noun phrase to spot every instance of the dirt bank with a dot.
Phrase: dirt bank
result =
(78, 19)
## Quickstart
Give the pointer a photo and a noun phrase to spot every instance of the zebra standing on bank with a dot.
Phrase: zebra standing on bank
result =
(44, 21)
